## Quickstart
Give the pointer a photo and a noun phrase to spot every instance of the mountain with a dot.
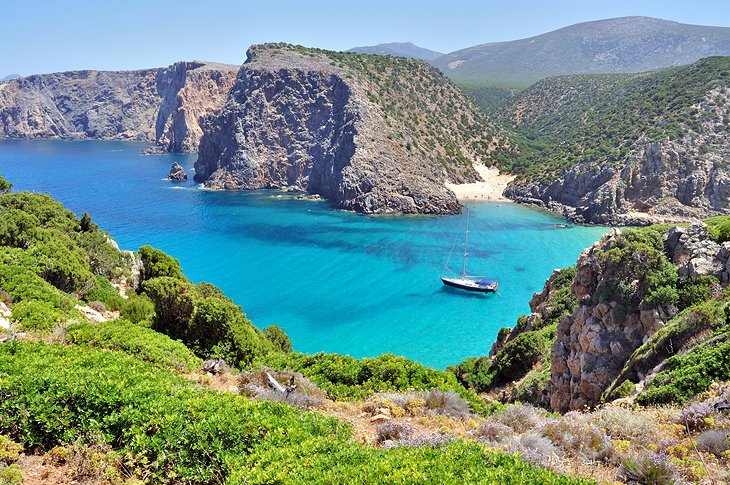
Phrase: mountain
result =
(161, 105)
(374, 134)
(625, 148)
(398, 49)
(10, 77)
(627, 44)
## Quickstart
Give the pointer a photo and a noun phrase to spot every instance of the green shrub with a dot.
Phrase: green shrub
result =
(218, 329)
(686, 375)
(11, 475)
(37, 315)
(696, 290)
(344, 377)
(5, 186)
(170, 430)
(9, 450)
(278, 338)
(17, 228)
(104, 292)
(138, 309)
(719, 228)
(174, 301)
(143, 343)
(156, 263)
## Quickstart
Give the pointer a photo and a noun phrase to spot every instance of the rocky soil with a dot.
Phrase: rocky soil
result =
(162, 105)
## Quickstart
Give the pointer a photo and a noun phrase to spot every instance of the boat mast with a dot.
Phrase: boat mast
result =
(466, 242)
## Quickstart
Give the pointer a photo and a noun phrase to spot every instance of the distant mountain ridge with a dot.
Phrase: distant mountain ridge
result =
(620, 45)
(10, 77)
(398, 49)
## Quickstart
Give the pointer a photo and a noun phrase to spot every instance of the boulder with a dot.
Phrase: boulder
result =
(177, 173)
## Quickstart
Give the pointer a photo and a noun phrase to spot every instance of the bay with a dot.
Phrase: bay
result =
(334, 281)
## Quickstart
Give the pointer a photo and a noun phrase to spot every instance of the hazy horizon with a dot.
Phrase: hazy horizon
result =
(52, 36)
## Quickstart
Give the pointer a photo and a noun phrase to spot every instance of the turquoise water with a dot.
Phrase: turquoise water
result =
(335, 281)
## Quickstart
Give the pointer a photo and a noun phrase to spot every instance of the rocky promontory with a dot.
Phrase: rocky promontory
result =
(161, 105)
(370, 133)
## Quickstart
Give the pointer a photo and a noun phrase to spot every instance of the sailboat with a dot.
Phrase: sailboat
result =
(468, 282)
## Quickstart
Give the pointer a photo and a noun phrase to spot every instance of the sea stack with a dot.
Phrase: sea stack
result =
(177, 173)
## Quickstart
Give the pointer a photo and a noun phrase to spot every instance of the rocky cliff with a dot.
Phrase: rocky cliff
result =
(627, 149)
(628, 291)
(372, 134)
(163, 105)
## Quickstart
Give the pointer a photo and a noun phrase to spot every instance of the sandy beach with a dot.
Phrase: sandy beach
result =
(491, 189)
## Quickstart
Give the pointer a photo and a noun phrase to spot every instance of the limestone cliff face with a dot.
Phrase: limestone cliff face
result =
(157, 105)
(300, 121)
(595, 347)
(662, 181)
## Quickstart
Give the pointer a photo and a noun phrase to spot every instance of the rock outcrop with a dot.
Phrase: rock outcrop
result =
(669, 181)
(301, 120)
(594, 344)
(177, 173)
(163, 105)
(612, 152)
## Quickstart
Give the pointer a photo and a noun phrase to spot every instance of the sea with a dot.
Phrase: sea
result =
(333, 280)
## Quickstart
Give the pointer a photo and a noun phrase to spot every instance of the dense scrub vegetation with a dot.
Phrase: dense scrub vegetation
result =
(599, 119)
(346, 378)
(167, 430)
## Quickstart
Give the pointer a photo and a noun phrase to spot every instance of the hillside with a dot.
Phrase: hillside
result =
(103, 378)
(373, 134)
(620, 45)
(398, 49)
(162, 105)
(625, 148)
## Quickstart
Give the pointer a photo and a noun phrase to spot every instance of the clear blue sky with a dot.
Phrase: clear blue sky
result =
(57, 35)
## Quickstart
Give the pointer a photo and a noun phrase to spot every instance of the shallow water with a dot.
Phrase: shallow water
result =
(335, 281)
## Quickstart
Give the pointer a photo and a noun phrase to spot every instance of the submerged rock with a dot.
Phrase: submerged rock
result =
(177, 173)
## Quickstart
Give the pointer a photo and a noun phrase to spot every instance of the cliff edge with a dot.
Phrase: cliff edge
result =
(161, 105)
(374, 135)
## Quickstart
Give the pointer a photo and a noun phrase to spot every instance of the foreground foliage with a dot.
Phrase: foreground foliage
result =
(167, 430)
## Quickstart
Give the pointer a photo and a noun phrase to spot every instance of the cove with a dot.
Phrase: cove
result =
(334, 281)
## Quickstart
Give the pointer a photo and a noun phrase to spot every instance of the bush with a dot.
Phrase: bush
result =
(218, 329)
(174, 301)
(156, 264)
(715, 441)
(138, 309)
(278, 338)
(9, 450)
(393, 431)
(684, 376)
(648, 468)
(143, 343)
(344, 377)
(11, 475)
(104, 292)
(171, 430)
(695, 416)
(37, 315)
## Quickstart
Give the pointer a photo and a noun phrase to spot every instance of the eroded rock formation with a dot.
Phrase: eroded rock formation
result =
(163, 105)
(302, 122)
(177, 173)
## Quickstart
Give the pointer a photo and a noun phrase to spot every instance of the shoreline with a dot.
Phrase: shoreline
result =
(491, 189)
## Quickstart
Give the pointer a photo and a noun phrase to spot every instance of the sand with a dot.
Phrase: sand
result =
(491, 189)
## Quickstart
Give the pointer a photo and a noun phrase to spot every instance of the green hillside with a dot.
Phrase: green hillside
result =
(600, 119)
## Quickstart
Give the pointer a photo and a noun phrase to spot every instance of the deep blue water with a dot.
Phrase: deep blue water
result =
(335, 281)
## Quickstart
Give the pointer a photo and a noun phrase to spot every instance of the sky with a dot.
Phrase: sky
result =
(39, 36)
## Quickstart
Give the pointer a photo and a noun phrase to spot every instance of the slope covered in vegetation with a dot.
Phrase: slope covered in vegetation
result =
(124, 401)
(607, 145)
